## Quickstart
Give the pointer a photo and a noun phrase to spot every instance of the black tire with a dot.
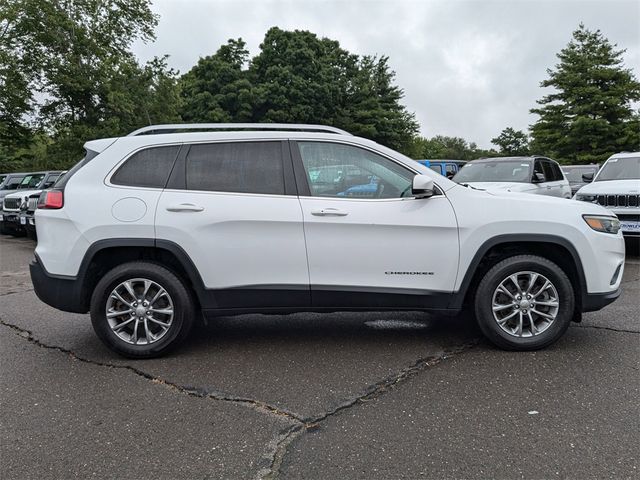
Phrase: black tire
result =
(179, 293)
(494, 277)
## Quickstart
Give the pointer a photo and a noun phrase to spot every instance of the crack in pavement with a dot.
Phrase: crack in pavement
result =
(597, 327)
(258, 405)
(372, 392)
(279, 449)
(17, 291)
(279, 446)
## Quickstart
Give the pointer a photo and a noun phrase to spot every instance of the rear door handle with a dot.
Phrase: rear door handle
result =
(324, 212)
(185, 207)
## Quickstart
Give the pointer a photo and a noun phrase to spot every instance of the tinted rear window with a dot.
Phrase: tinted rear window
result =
(147, 168)
(557, 173)
(243, 167)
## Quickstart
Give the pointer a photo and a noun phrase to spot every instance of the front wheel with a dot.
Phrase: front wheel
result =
(141, 310)
(524, 302)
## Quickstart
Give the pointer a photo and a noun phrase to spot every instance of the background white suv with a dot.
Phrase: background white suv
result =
(149, 229)
(617, 187)
(537, 175)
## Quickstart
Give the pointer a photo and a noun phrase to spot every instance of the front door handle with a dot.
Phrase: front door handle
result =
(323, 212)
(185, 207)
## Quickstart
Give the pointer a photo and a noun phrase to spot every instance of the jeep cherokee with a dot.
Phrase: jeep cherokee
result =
(150, 229)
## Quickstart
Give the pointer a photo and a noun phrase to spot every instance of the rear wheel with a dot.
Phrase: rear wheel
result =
(141, 310)
(524, 302)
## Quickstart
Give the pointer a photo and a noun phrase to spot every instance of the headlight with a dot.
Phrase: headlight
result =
(601, 223)
(584, 197)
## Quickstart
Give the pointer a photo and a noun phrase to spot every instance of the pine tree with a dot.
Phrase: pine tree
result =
(512, 142)
(590, 114)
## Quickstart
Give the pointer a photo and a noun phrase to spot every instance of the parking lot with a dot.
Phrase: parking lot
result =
(372, 395)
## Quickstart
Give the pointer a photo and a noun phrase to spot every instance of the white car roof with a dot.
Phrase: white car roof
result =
(625, 155)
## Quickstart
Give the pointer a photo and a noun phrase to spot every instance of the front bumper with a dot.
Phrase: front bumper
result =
(11, 220)
(592, 302)
(63, 293)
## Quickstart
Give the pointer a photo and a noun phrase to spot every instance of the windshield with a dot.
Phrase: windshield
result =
(31, 181)
(575, 174)
(11, 183)
(499, 171)
(620, 169)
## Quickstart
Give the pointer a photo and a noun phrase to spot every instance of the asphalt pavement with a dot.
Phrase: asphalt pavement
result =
(369, 395)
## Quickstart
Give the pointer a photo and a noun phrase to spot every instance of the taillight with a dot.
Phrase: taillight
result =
(51, 199)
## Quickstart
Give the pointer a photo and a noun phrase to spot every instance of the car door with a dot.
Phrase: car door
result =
(232, 207)
(385, 249)
(563, 186)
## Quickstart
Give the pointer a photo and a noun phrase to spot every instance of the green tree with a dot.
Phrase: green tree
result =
(590, 113)
(76, 55)
(512, 142)
(443, 147)
(217, 88)
(299, 78)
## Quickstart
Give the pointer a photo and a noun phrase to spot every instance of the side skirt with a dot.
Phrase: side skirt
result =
(285, 300)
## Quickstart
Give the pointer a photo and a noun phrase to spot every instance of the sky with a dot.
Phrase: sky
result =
(468, 68)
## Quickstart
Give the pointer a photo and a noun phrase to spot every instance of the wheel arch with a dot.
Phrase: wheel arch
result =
(103, 255)
(555, 248)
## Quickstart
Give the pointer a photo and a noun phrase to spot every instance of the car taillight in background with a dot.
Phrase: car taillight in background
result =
(51, 199)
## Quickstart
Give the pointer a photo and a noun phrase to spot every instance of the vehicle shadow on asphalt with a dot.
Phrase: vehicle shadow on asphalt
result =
(331, 327)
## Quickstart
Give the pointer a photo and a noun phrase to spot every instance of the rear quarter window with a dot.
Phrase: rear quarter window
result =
(147, 168)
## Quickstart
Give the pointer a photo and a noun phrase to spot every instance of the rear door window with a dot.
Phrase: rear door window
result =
(241, 167)
(548, 171)
(557, 173)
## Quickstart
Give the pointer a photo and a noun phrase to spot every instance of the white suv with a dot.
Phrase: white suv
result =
(537, 175)
(152, 228)
(617, 187)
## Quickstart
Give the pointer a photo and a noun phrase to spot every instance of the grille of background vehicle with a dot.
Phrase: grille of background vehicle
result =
(619, 200)
(32, 204)
(12, 203)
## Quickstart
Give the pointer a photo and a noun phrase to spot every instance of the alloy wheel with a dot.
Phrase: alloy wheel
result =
(525, 304)
(139, 311)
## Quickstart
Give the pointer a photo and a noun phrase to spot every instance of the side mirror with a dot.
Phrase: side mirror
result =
(587, 177)
(538, 178)
(422, 186)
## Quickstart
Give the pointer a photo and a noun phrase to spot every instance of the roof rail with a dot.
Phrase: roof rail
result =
(170, 128)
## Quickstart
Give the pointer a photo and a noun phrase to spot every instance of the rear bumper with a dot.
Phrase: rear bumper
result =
(63, 293)
(597, 301)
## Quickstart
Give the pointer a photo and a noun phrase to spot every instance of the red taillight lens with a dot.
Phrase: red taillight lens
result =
(51, 199)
